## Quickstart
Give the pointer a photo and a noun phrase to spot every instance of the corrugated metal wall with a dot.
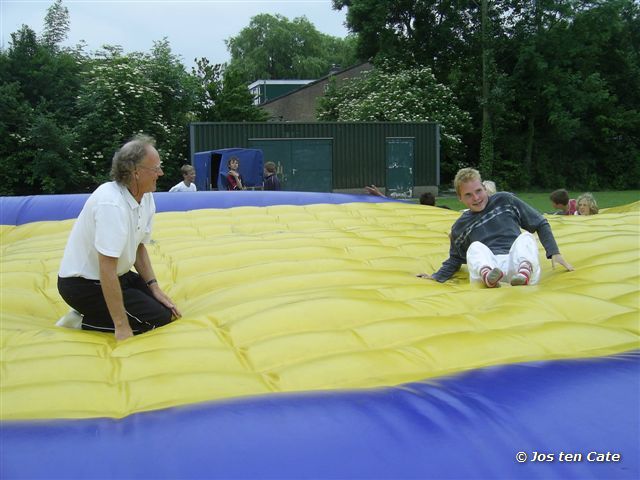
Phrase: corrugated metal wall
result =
(358, 148)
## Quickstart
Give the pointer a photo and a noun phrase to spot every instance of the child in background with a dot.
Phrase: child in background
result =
(427, 198)
(271, 180)
(561, 202)
(587, 205)
(234, 179)
(490, 187)
(186, 185)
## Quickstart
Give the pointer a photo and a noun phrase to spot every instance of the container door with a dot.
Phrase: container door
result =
(276, 151)
(311, 165)
(303, 165)
(400, 160)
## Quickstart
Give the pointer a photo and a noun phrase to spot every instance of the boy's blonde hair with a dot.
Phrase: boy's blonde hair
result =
(270, 167)
(465, 175)
(591, 201)
(187, 169)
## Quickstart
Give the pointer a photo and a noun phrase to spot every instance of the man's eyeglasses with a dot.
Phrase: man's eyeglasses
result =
(157, 169)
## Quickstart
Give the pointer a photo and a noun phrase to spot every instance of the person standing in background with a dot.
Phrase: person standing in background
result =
(271, 180)
(186, 185)
(234, 179)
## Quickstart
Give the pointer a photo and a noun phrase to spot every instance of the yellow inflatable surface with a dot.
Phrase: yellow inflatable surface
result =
(297, 298)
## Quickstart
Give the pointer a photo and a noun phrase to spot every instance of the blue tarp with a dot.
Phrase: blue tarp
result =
(251, 167)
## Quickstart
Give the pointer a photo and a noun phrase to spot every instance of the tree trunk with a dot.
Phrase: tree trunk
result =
(486, 142)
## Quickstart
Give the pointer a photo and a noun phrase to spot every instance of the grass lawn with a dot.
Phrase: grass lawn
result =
(543, 204)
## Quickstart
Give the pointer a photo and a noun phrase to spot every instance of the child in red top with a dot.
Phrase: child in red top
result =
(560, 201)
(234, 179)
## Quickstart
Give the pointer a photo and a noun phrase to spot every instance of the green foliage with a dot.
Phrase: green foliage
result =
(564, 93)
(273, 47)
(562, 90)
(388, 94)
(226, 96)
(64, 114)
(127, 94)
(56, 24)
(486, 150)
(53, 167)
(37, 97)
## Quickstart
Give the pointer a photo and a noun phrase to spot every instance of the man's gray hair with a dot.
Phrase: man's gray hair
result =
(128, 157)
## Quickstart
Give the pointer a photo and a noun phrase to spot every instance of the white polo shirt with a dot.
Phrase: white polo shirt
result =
(112, 223)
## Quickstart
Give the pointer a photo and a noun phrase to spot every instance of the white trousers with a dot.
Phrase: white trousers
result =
(525, 248)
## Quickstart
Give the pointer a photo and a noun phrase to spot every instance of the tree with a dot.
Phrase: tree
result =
(486, 142)
(39, 86)
(272, 47)
(446, 36)
(559, 101)
(127, 94)
(226, 97)
(56, 24)
(433, 33)
(387, 94)
(64, 113)
(575, 108)
(53, 167)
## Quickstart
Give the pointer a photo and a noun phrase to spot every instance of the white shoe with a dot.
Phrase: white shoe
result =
(73, 319)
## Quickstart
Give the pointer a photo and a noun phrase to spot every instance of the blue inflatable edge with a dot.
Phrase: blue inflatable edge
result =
(554, 419)
(37, 208)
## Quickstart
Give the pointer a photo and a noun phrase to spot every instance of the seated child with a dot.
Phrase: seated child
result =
(561, 202)
(186, 185)
(587, 205)
(234, 179)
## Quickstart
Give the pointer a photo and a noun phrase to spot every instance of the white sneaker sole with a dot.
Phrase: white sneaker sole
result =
(71, 320)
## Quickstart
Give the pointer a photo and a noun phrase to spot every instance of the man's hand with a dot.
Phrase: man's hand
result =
(424, 275)
(123, 332)
(164, 299)
(557, 258)
(113, 296)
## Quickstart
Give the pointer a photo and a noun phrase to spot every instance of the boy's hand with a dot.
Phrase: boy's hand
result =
(559, 259)
(424, 275)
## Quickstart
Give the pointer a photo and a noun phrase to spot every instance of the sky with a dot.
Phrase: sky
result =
(194, 28)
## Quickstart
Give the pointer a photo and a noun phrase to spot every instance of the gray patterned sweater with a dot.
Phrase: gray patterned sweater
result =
(497, 226)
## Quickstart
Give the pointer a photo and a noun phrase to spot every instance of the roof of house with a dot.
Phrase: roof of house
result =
(314, 82)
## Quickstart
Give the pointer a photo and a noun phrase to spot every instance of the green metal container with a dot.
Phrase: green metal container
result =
(328, 156)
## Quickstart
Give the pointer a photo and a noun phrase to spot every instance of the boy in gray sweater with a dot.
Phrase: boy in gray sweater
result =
(488, 237)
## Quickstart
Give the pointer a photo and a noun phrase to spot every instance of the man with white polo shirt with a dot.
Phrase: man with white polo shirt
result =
(107, 240)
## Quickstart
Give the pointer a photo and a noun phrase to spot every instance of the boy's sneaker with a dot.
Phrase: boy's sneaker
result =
(523, 275)
(73, 319)
(491, 276)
